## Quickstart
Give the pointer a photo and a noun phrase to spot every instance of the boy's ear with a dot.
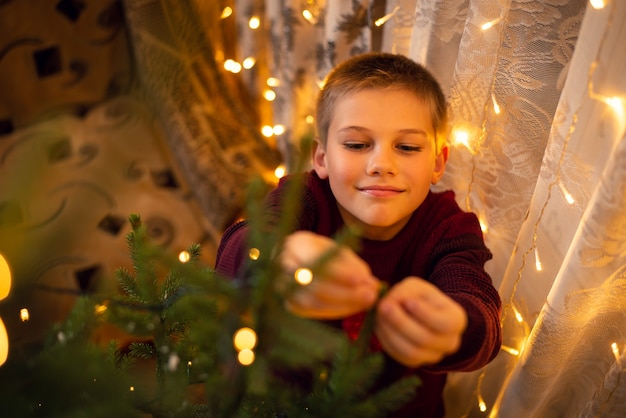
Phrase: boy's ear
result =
(319, 159)
(440, 165)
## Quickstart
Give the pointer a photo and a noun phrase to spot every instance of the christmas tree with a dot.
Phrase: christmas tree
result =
(201, 345)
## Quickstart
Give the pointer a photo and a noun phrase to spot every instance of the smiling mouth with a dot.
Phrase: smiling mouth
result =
(381, 191)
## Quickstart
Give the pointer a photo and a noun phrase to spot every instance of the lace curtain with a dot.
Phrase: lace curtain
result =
(536, 91)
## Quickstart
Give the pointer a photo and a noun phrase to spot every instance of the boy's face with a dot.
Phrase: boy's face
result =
(380, 159)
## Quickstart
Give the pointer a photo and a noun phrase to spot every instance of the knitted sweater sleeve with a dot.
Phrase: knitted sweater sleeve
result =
(459, 258)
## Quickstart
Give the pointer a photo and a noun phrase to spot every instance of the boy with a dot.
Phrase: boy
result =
(381, 123)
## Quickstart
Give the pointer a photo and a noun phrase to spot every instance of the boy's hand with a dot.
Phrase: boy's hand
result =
(345, 287)
(418, 324)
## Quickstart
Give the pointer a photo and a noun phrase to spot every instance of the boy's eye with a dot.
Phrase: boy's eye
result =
(355, 146)
(409, 148)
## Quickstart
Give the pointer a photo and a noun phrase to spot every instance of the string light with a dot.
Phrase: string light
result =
(244, 341)
(5, 289)
(249, 63)
(24, 315)
(245, 357)
(254, 254)
(568, 197)
(267, 131)
(269, 95)
(100, 308)
(184, 256)
(280, 171)
(512, 351)
(597, 4)
(254, 22)
(538, 264)
(489, 25)
(226, 12)
(496, 106)
(381, 21)
(518, 315)
(615, 350)
(304, 276)
(309, 119)
(273, 82)
(278, 129)
(309, 16)
(232, 66)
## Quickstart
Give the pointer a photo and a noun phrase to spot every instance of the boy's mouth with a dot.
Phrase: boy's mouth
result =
(381, 191)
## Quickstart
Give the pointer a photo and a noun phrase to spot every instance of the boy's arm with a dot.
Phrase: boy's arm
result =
(231, 250)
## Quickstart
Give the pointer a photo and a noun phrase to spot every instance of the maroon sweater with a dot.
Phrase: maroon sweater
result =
(440, 243)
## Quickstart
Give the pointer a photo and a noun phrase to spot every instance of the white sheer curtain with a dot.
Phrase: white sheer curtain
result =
(537, 91)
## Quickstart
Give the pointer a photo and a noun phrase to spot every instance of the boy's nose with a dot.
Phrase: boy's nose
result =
(381, 163)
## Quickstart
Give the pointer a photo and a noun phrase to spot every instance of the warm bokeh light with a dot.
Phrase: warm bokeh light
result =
(24, 314)
(280, 171)
(184, 256)
(490, 24)
(4, 343)
(597, 4)
(254, 254)
(304, 276)
(100, 308)
(269, 95)
(278, 129)
(381, 21)
(267, 131)
(249, 63)
(246, 357)
(232, 66)
(226, 12)
(5, 278)
(273, 82)
(244, 338)
(254, 22)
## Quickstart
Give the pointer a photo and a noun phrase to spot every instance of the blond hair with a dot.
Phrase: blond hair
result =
(380, 70)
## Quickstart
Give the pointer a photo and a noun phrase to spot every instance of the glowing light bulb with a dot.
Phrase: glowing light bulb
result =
(381, 21)
(226, 12)
(5, 278)
(615, 350)
(304, 276)
(461, 137)
(273, 82)
(267, 131)
(254, 254)
(597, 4)
(248, 63)
(280, 171)
(496, 106)
(244, 338)
(309, 119)
(4, 343)
(482, 406)
(309, 16)
(232, 66)
(489, 25)
(245, 357)
(254, 22)
(24, 314)
(518, 315)
(538, 264)
(100, 308)
(184, 256)
(269, 95)
(568, 197)
(512, 351)
(278, 129)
